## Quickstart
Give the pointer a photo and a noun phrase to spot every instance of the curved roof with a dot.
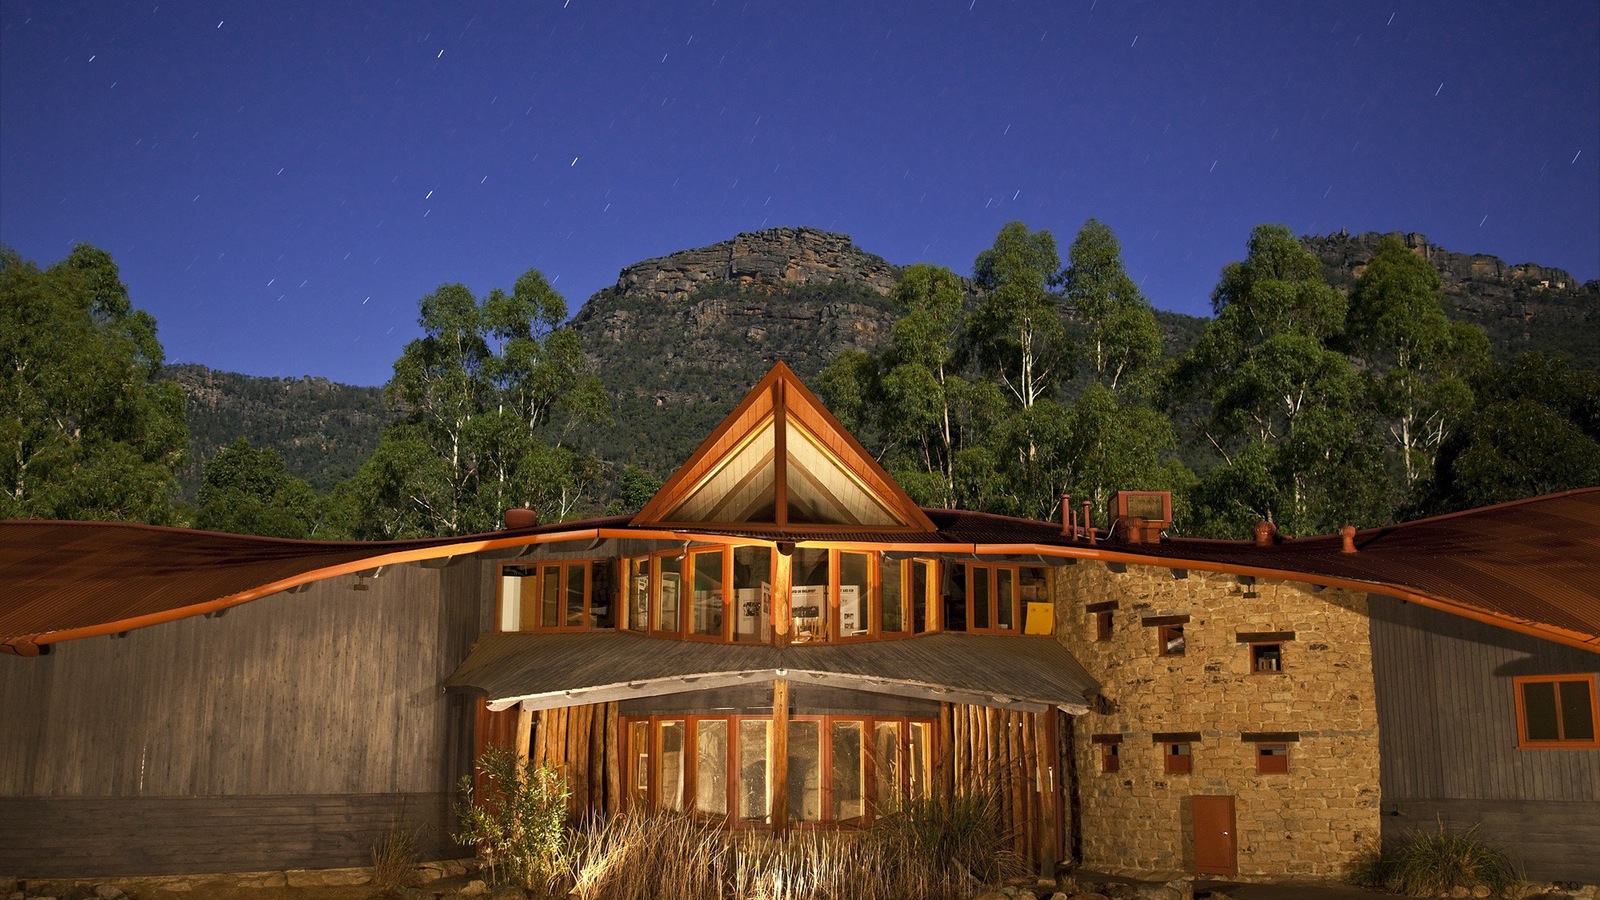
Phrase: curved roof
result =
(545, 670)
(1530, 565)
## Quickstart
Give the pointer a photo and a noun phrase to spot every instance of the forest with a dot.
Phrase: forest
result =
(1032, 377)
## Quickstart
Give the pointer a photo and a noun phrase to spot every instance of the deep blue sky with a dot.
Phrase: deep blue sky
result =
(281, 182)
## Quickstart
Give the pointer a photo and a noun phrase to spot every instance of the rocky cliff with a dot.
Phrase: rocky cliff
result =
(1522, 307)
(678, 339)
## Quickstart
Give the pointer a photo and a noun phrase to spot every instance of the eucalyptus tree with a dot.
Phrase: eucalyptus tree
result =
(916, 398)
(1285, 411)
(1017, 330)
(1121, 341)
(485, 397)
(1420, 364)
(87, 429)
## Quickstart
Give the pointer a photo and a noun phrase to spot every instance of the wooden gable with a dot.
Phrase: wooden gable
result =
(780, 459)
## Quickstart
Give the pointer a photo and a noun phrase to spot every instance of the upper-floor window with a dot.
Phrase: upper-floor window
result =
(566, 595)
(1556, 711)
(997, 594)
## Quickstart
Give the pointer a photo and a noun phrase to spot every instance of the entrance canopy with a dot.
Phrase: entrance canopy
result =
(541, 671)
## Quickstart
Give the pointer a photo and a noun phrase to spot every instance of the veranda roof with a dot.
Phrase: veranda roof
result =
(540, 671)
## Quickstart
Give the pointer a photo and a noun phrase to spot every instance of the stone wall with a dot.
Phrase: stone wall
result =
(1308, 822)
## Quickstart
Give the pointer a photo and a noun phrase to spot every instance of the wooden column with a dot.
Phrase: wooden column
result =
(782, 576)
(524, 731)
(780, 755)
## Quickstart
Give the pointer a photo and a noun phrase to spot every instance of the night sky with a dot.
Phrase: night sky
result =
(281, 182)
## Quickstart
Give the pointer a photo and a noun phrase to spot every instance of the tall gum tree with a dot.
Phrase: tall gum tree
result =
(1285, 411)
(485, 396)
(1420, 364)
(88, 432)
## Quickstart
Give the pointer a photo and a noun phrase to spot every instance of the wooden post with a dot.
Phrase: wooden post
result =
(524, 732)
(781, 618)
(780, 755)
(613, 754)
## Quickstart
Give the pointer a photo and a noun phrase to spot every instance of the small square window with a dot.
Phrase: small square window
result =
(1556, 711)
(1170, 641)
(1179, 761)
(1272, 759)
(1109, 760)
(1102, 625)
(1266, 657)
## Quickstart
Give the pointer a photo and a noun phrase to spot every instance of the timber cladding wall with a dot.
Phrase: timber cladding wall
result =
(1311, 820)
(1449, 740)
(322, 709)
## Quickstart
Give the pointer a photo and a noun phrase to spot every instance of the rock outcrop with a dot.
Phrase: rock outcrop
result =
(677, 339)
(1522, 307)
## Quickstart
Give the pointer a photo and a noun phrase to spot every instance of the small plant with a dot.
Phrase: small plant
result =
(394, 860)
(518, 823)
(1434, 863)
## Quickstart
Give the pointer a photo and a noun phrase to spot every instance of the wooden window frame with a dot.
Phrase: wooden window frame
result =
(1170, 754)
(990, 571)
(652, 799)
(1110, 758)
(1263, 767)
(1103, 625)
(904, 569)
(562, 584)
(1587, 679)
(686, 600)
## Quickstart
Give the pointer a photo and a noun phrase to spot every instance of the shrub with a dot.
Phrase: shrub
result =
(1433, 863)
(394, 860)
(518, 824)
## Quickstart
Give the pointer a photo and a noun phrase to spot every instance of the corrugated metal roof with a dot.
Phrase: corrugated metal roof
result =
(561, 669)
(1532, 564)
(61, 576)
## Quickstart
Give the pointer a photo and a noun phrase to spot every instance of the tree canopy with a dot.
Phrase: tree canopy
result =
(88, 432)
(487, 394)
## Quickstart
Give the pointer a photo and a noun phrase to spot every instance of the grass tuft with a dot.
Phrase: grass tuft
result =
(1434, 863)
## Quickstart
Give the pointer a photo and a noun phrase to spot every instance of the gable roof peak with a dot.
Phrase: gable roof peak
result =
(780, 459)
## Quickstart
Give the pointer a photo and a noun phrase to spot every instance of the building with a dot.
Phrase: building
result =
(782, 638)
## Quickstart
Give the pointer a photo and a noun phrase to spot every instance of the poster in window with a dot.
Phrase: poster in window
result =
(850, 619)
(805, 603)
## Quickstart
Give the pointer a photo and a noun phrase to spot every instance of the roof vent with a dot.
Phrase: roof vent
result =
(1347, 537)
(521, 518)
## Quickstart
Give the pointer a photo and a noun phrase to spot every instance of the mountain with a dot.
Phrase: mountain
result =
(678, 339)
(324, 430)
(1521, 307)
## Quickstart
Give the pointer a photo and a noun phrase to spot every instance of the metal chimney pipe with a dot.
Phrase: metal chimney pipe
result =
(1088, 528)
(1347, 536)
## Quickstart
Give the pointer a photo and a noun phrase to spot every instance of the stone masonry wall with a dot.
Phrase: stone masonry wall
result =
(1309, 822)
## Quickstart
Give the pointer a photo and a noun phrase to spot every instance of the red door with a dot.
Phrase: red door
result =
(1215, 849)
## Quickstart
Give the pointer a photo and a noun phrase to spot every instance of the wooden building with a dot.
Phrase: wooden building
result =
(782, 639)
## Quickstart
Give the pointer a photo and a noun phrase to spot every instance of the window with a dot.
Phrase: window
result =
(1272, 759)
(841, 769)
(907, 595)
(639, 593)
(1169, 641)
(1109, 760)
(706, 609)
(808, 595)
(995, 595)
(1102, 625)
(1266, 657)
(569, 596)
(752, 594)
(1179, 759)
(1556, 711)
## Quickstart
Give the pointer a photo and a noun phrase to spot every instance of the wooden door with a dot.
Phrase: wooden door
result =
(1215, 847)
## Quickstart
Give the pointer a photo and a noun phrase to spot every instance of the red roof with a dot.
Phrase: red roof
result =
(1531, 565)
